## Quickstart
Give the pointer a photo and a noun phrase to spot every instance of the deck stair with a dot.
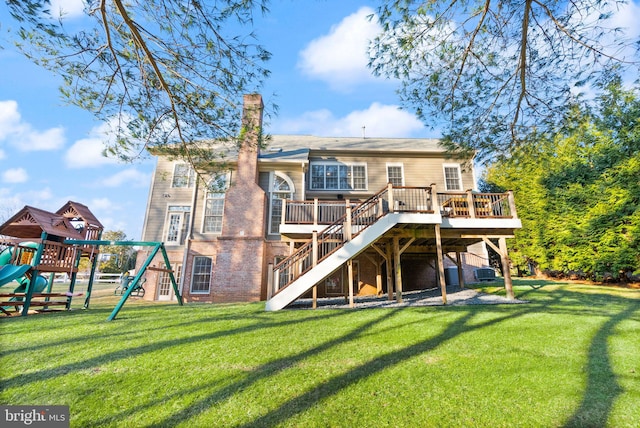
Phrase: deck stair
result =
(344, 239)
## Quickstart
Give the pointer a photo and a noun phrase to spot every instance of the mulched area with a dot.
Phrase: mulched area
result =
(429, 297)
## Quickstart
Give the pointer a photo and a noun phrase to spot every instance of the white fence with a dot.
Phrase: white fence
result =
(101, 277)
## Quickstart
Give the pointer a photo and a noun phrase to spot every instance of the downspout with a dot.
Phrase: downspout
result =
(303, 187)
(187, 242)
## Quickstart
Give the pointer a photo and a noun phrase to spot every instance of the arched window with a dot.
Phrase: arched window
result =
(281, 188)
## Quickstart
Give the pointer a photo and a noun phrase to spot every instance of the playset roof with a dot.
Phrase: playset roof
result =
(30, 222)
(77, 211)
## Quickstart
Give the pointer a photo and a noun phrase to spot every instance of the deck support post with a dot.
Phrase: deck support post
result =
(314, 262)
(269, 280)
(504, 259)
(441, 278)
(460, 271)
(389, 267)
(350, 282)
(398, 268)
(506, 268)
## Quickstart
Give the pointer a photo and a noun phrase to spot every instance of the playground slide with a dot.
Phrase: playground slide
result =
(5, 256)
(10, 272)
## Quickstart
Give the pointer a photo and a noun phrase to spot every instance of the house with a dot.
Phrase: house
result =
(317, 216)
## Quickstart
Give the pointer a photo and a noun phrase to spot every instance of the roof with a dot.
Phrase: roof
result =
(77, 211)
(356, 144)
(30, 222)
(300, 147)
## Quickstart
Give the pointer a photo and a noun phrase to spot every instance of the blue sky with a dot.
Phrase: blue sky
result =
(50, 152)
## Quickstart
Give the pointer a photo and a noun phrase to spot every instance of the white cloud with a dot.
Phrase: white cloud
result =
(40, 198)
(89, 152)
(130, 177)
(15, 175)
(340, 58)
(102, 204)
(379, 120)
(109, 214)
(67, 8)
(21, 134)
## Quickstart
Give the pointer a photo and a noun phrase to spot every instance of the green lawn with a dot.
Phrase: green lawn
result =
(570, 357)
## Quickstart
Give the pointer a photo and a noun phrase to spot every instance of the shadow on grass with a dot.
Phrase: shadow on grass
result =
(124, 353)
(325, 390)
(123, 328)
(602, 385)
(264, 371)
(303, 402)
(601, 391)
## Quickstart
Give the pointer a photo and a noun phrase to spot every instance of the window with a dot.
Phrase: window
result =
(177, 224)
(183, 175)
(282, 188)
(452, 179)
(201, 277)
(214, 204)
(395, 175)
(338, 176)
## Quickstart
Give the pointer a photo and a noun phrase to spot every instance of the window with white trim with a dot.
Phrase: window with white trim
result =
(183, 175)
(282, 188)
(214, 204)
(201, 275)
(395, 174)
(452, 178)
(177, 222)
(338, 176)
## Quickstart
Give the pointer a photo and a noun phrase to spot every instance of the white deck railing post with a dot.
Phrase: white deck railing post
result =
(472, 207)
(435, 205)
(512, 204)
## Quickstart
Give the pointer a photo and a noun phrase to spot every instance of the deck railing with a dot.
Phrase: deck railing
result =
(476, 205)
(407, 199)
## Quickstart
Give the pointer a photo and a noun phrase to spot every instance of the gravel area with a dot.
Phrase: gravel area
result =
(430, 297)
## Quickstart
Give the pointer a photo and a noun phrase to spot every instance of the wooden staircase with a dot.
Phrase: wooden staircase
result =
(343, 240)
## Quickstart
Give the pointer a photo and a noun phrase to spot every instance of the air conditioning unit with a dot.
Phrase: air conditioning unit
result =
(485, 274)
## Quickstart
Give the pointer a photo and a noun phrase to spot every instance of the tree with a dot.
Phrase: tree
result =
(578, 193)
(162, 73)
(117, 258)
(492, 72)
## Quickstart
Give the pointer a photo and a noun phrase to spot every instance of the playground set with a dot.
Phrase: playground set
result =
(35, 242)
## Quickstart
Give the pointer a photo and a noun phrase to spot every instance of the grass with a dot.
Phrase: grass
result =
(570, 357)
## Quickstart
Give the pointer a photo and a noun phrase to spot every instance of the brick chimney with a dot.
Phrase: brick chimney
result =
(250, 134)
(238, 272)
